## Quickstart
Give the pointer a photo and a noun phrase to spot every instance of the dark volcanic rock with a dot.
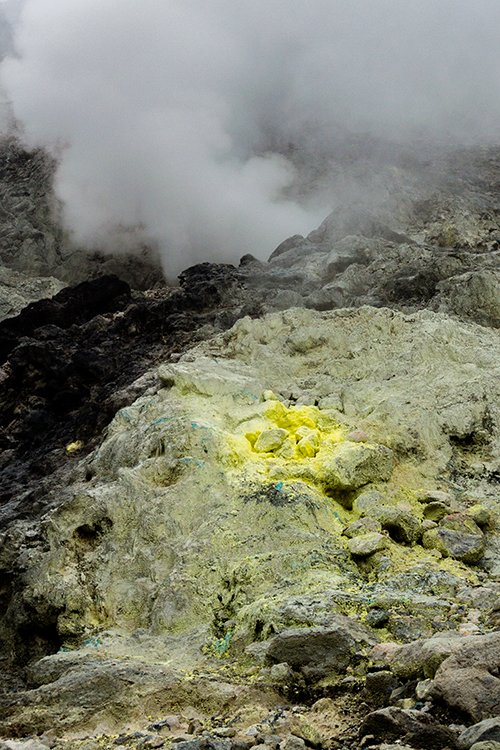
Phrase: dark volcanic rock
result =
(409, 726)
(319, 650)
(65, 362)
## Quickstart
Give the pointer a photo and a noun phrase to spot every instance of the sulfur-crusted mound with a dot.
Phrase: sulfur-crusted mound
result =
(241, 496)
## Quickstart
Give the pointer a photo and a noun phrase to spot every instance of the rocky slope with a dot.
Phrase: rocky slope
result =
(225, 527)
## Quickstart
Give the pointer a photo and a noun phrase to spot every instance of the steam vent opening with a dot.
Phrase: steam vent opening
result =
(249, 375)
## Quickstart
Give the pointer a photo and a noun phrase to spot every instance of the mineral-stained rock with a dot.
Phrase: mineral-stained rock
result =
(362, 526)
(270, 440)
(435, 511)
(320, 650)
(468, 679)
(366, 545)
(356, 464)
(401, 524)
(178, 528)
(457, 536)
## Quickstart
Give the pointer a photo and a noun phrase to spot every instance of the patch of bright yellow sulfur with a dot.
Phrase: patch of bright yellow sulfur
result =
(310, 432)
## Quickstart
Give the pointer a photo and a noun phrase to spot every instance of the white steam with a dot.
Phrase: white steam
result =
(174, 116)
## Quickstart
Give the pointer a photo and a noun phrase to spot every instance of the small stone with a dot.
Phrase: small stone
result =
(358, 436)
(469, 628)
(428, 524)
(435, 511)
(437, 496)
(366, 545)
(403, 526)
(367, 501)
(269, 396)
(281, 672)
(377, 617)
(272, 740)
(457, 536)
(224, 732)
(292, 742)
(270, 440)
(355, 464)
(252, 731)
(362, 526)
(423, 689)
(480, 515)
(379, 686)
(308, 444)
(486, 745)
(242, 743)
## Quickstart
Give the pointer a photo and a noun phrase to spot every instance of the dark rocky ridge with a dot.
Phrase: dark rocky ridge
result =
(67, 362)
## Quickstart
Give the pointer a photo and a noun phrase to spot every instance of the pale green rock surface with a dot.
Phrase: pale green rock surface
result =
(182, 543)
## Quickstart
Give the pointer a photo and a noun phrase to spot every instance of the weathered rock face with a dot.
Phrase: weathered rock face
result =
(432, 241)
(33, 241)
(208, 519)
(17, 290)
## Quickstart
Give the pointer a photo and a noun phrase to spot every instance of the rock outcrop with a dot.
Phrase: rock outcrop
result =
(211, 519)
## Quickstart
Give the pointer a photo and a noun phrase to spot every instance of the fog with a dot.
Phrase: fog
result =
(174, 121)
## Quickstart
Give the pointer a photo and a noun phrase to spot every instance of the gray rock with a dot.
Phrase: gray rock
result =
(489, 729)
(292, 742)
(319, 650)
(366, 545)
(457, 536)
(362, 526)
(486, 745)
(368, 501)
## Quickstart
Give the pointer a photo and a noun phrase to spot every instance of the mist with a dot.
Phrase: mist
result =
(175, 122)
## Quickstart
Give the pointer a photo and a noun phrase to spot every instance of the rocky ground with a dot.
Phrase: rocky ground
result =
(259, 509)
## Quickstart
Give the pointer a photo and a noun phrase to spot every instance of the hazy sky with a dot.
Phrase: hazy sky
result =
(167, 113)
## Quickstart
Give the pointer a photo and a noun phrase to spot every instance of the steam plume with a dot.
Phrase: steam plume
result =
(177, 117)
